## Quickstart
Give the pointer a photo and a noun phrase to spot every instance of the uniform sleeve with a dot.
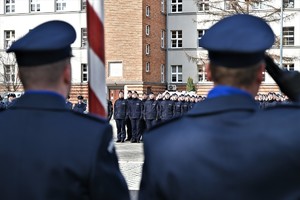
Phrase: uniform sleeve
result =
(106, 181)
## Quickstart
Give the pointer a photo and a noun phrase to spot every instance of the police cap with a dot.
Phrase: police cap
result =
(47, 43)
(238, 41)
(80, 97)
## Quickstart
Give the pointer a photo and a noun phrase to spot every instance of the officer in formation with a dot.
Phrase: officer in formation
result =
(166, 108)
(2, 105)
(10, 101)
(226, 147)
(53, 153)
(80, 106)
(150, 111)
(69, 104)
(120, 114)
(127, 121)
(109, 110)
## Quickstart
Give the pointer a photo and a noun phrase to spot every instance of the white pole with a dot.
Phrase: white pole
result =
(281, 33)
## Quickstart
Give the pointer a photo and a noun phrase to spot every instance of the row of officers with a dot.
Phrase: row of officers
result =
(139, 115)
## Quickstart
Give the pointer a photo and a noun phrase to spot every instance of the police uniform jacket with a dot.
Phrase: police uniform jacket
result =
(80, 107)
(69, 105)
(225, 148)
(150, 109)
(55, 153)
(185, 106)
(167, 109)
(135, 109)
(178, 110)
(120, 109)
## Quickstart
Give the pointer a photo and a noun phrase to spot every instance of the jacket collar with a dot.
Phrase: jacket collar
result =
(224, 104)
(42, 101)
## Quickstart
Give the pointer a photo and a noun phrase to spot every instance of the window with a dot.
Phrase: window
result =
(83, 37)
(288, 35)
(162, 44)
(201, 32)
(9, 6)
(115, 69)
(289, 67)
(176, 39)
(84, 73)
(203, 5)
(83, 4)
(162, 9)
(9, 73)
(288, 3)
(202, 74)
(9, 38)
(147, 66)
(176, 73)
(61, 5)
(148, 30)
(230, 4)
(147, 49)
(35, 6)
(148, 11)
(256, 5)
(162, 73)
(176, 6)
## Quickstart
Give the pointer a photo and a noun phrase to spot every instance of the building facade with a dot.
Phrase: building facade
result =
(187, 21)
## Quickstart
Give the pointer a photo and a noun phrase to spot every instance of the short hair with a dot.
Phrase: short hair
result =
(44, 75)
(236, 77)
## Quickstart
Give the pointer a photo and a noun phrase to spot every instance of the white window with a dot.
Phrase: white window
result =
(9, 73)
(148, 30)
(201, 32)
(147, 66)
(176, 73)
(147, 49)
(148, 11)
(61, 5)
(9, 6)
(35, 6)
(162, 73)
(115, 69)
(288, 66)
(176, 39)
(288, 36)
(83, 37)
(230, 4)
(162, 9)
(176, 6)
(9, 38)
(256, 5)
(84, 73)
(83, 4)
(202, 74)
(203, 5)
(162, 44)
(288, 3)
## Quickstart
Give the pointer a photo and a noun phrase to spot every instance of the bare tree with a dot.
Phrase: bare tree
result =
(9, 78)
(218, 9)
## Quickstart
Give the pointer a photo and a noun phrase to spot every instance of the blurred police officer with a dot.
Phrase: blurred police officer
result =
(120, 112)
(2, 105)
(167, 108)
(135, 115)
(11, 98)
(109, 109)
(178, 111)
(143, 120)
(50, 151)
(69, 103)
(221, 148)
(150, 111)
(127, 121)
(186, 103)
(80, 106)
(159, 99)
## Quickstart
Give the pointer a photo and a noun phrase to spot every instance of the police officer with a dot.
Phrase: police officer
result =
(135, 115)
(69, 103)
(159, 99)
(2, 105)
(143, 120)
(120, 112)
(178, 110)
(150, 111)
(167, 108)
(186, 103)
(192, 102)
(80, 106)
(109, 109)
(127, 121)
(51, 153)
(11, 98)
(228, 147)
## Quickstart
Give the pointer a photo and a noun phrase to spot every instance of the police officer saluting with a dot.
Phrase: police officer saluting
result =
(178, 110)
(120, 111)
(167, 108)
(80, 106)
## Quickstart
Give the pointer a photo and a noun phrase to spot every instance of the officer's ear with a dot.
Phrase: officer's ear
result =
(208, 71)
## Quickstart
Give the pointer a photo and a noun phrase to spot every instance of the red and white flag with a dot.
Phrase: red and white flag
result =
(96, 57)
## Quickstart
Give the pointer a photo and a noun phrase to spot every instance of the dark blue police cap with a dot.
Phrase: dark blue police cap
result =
(238, 41)
(46, 43)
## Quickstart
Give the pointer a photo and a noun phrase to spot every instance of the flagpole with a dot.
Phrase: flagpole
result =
(281, 33)
(96, 58)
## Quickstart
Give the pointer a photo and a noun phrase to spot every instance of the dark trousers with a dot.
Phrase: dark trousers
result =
(135, 124)
(150, 123)
(142, 128)
(120, 129)
(129, 129)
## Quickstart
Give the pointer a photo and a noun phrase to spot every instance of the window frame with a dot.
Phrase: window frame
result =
(147, 30)
(36, 4)
(177, 73)
(288, 40)
(147, 11)
(162, 73)
(9, 75)
(178, 5)
(62, 4)
(162, 39)
(202, 73)
(9, 40)
(147, 51)
(199, 37)
(84, 38)
(288, 3)
(11, 5)
(178, 40)
(84, 73)
(147, 66)
(203, 5)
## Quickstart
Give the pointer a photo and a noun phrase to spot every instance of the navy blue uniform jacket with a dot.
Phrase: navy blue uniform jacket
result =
(50, 152)
(224, 148)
